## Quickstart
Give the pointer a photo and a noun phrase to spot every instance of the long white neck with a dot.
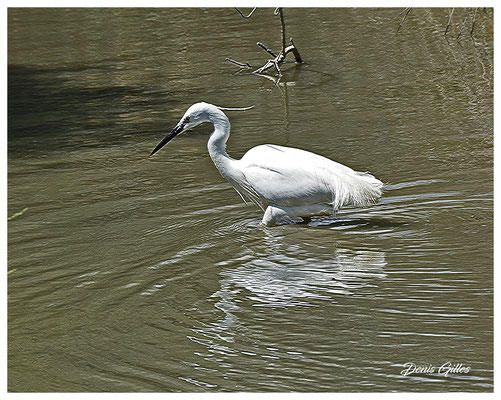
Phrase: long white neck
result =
(217, 142)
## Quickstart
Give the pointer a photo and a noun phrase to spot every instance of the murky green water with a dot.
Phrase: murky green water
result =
(139, 274)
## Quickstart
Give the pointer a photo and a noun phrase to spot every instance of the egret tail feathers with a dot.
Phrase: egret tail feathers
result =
(362, 190)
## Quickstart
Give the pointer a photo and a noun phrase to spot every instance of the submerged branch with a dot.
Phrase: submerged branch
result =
(295, 51)
(279, 60)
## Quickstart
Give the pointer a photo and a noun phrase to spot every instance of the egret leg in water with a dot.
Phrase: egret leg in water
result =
(290, 185)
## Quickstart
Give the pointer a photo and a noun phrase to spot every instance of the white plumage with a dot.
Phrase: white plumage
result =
(290, 185)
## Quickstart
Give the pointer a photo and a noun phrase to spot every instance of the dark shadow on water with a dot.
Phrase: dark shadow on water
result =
(61, 109)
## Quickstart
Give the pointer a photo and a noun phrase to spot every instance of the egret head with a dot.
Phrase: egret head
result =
(195, 115)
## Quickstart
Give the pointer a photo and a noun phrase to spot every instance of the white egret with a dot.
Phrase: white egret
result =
(290, 185)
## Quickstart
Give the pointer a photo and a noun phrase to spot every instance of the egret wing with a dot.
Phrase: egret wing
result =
(287, 176)
(290, 177)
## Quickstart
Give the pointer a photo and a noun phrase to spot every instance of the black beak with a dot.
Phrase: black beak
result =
(178, 129)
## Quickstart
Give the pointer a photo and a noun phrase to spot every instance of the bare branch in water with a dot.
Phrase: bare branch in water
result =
(449, 23)
(473, 24)
(277, 68)
(407, 11)
(266, 49)
(246, 65)
(279, 58)
(295, 51)
(248, 16)
(282, 27)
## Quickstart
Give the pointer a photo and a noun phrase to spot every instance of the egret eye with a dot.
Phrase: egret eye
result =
(186, 120)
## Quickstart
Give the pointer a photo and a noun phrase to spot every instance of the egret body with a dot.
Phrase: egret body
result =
(290, 185)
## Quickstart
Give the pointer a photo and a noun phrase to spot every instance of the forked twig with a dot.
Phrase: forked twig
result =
(248, 16)
(277, 58)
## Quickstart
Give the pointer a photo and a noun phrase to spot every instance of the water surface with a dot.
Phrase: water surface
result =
(149, 274)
